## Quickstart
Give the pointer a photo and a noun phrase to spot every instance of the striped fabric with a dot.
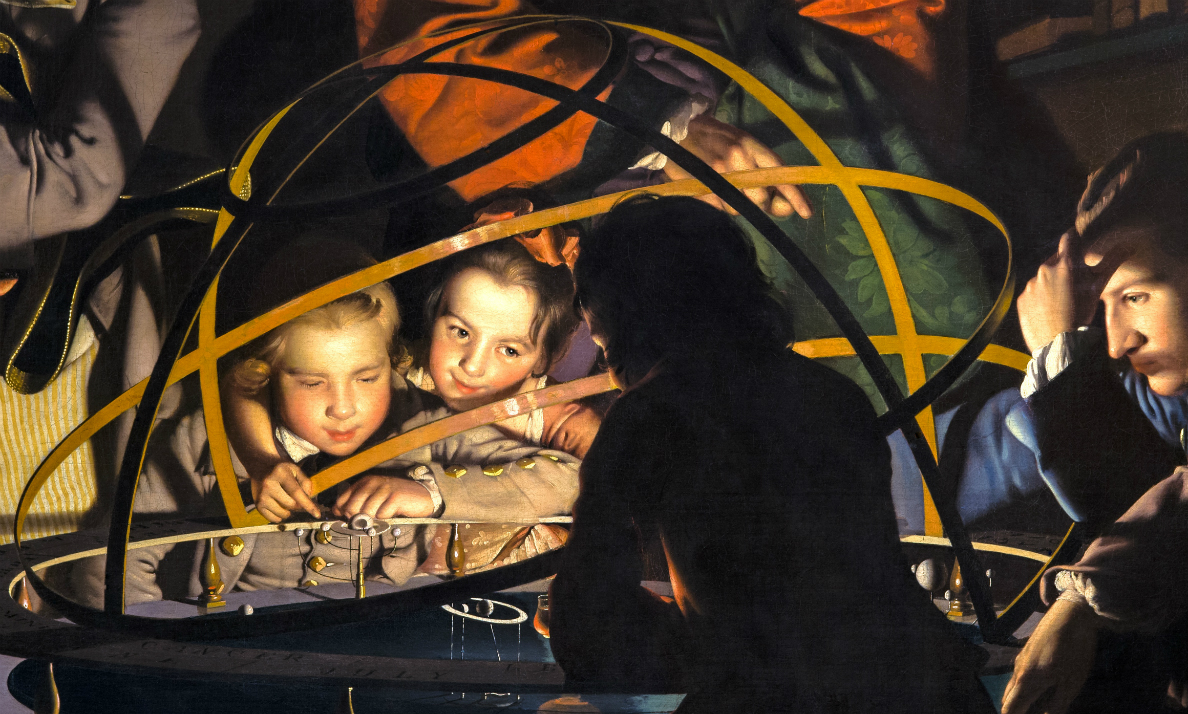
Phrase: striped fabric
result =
(30, 426)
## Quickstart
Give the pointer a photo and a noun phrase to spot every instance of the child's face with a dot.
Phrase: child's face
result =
(1146, 315)
(333, 385)
(482, 348)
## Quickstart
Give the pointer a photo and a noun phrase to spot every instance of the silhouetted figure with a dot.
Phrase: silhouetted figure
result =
(766, 480)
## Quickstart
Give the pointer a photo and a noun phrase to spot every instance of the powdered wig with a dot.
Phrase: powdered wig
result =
(297, 270)
(510, 263)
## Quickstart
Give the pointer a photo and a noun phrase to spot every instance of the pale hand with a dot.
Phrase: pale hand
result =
(726, 148)
(385, 497)
(1060, 298)
(1055, 662)
(285, 489)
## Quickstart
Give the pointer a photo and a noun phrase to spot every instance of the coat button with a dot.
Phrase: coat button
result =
(526, 463)
(492, 470)
(456, 471)
(232, 545)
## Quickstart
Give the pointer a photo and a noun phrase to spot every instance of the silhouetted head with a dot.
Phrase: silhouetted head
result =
(673, 276)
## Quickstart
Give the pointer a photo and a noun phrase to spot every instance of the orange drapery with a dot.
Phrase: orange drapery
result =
(445, 118)
(894, 25)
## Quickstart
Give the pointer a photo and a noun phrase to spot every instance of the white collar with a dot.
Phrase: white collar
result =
(296, 447)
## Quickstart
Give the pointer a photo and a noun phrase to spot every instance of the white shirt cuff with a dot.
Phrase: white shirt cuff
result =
(1053, 358)
(1076, 587)
(424, 476)
(677, 129)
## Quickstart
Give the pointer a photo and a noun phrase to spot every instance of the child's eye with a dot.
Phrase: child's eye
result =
(369, 380)
(311, 384)
(460, 332)
(511, 352)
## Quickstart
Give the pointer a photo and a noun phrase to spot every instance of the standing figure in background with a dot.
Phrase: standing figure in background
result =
(81, 88)
(765, 479)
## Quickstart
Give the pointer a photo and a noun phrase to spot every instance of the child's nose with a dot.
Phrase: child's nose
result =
(342, 406)
(473, 363)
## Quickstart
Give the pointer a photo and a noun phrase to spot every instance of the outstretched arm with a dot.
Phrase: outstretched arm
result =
(248, 422)
(279, 486)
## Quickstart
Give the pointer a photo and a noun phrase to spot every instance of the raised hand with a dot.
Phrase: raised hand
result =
(1061, 297)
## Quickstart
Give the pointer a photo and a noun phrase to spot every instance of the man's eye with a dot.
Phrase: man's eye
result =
(1135, 298)
(311, 385)
(369, 380)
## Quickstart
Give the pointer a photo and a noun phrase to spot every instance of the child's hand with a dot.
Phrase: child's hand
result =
(284, 490)
(1060, 298)
(385, 497)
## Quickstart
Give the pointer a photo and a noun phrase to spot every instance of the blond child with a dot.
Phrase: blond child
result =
(329, 379)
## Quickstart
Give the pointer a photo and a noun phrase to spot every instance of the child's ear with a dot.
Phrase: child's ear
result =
(542, 367)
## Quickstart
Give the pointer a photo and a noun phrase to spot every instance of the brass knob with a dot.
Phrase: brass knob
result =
(232, 545)
(317, 563)
(324, 537)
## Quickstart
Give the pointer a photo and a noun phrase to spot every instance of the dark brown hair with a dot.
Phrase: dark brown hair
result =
(669, 276)
(510, 263)
(1144, 186)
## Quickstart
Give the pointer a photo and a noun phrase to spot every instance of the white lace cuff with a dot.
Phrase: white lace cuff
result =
(1052, 359)
(424, 476)
(1076, 587)
(676, 128)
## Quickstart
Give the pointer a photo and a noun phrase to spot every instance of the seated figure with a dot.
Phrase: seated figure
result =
(1105, 412)
(764, 478)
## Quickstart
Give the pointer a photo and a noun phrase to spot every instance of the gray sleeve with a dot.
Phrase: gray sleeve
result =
(481, 474)
(177, 478)
(140, 583)
(66, 171)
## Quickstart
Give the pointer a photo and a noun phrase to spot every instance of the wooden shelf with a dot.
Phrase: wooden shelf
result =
(1100, 50)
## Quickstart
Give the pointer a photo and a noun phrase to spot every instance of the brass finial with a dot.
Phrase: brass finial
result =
(346, 705)
(47, 700)
(212, 579)
(456, 552)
